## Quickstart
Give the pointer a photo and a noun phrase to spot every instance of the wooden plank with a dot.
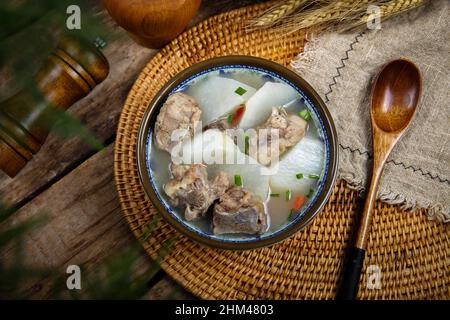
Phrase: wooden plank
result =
(167, 288)
(85, 225)
(75, 186)
(100, 111)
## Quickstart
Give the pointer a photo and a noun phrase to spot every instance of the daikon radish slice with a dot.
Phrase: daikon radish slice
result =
(300, 168)
(218, 96)
(259, 106)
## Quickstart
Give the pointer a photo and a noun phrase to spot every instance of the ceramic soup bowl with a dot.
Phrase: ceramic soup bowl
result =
(153, 163)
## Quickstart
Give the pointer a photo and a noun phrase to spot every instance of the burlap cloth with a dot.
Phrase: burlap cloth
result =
(341, 66)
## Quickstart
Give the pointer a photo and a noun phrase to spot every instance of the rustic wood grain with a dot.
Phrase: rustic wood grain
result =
(23, 120)
(85, 226)
(74, 184)
(99, 111)
(166, 288)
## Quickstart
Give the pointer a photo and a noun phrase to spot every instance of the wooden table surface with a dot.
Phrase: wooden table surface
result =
(74, 185)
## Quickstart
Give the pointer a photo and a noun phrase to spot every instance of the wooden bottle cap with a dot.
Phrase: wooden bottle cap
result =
(152, 23)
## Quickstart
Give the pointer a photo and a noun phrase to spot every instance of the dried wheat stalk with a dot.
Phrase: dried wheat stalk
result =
(277, 12)
(329, 13)
(293, 15)
(387, 11)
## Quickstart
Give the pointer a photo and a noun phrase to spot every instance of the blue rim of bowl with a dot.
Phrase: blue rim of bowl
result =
(299, 214)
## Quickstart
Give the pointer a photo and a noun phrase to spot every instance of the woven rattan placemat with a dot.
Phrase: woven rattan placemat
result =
(412, 253)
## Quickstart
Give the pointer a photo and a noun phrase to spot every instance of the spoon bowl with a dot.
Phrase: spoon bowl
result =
(395, 96)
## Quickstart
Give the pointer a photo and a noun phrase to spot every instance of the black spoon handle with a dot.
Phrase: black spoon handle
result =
(350, 284)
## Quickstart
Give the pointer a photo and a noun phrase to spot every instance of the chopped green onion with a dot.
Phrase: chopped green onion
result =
(237, 180)
(313, 176)
(310, 194)
(291, 214)
(240, 91)
(246, 143)
(274, 195)
(288, 195)
(305, 114)
(230, 118)
(299, 176)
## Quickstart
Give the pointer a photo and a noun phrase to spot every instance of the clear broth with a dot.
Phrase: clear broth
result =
(278, 208)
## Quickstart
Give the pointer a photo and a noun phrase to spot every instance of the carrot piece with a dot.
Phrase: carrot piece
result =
(238, 115)
(298, 202)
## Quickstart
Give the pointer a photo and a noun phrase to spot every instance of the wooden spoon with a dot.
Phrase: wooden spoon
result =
(395, 95)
